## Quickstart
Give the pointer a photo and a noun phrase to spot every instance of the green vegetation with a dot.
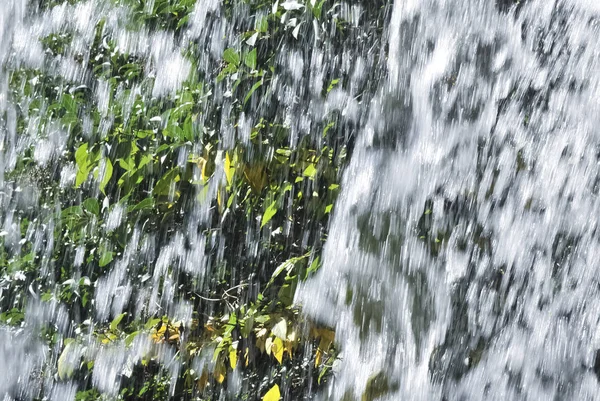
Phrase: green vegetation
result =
(113, 177)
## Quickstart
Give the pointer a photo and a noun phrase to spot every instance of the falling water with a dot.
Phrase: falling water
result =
(460, 262)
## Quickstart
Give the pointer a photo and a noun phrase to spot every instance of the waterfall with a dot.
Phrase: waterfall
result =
(462, 259)
(144, 237)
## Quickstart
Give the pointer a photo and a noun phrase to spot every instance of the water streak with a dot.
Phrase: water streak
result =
(463, 264)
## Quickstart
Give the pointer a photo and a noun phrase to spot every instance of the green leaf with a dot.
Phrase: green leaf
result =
(108, 171)
(310, 171)
(287, 291)
(263, 24)
(183, 21)
(313, 266)
(327, 128)
(230, 69)
(163, 185)
(188, 129)
(72, 216)
(231, 56)
(317, 9)
(269, 213)
(252, 90)
(288, 265)
(115, 323)
(105, 258)
(333, 85)
(250, 59)
(83, 166)
(143, 133)
(147, 203)
(262, 319)
(91, 205)
(129, 339)
(127, 164)
(151, 323)
(81, 155)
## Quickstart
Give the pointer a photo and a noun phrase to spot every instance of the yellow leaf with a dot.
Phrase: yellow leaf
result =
(203, 380)
(323, 333)
(256, 176)
(159, 335)
(246, 356)
(229, 169)
(233, 358)
(318, 357)
(273, 394)
(269, 345)
(325, 343)
(260, 344)
(201, 163)
(288, 347)
(277, 350)
(327, 337)
(209, 326)
(220, 372)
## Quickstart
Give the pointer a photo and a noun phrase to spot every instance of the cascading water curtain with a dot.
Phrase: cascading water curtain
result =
(462, 259)
(299, 199)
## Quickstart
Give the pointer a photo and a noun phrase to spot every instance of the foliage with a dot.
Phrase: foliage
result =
(131, 171)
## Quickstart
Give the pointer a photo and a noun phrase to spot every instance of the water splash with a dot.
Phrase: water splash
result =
(461, 263)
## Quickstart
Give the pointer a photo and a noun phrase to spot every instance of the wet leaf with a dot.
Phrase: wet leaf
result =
(129, 339)
(269, 213)
(229, 169)
(163, 186)
(269, 345)
(91, 205)
(273, 394)
(252, 39)
(83, 166)
(220, 372)
(277, 350)
(105, 258)
(233, 359)
(65, 366)
(203, 380)
(115, 323)
(280, 329)
(310, 171)
(106, 176)
(252, 90)
(250, 59)
(257, 176)
(231, 56)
